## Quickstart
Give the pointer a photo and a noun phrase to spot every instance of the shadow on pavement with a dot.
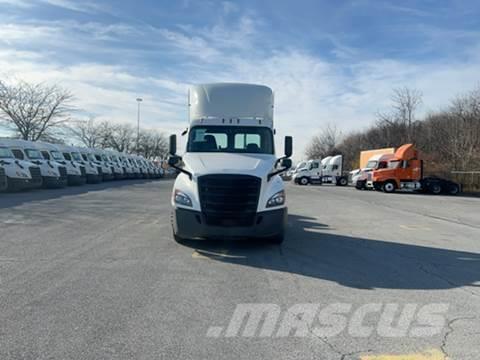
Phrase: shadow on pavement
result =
(8, 200)
(311, 250)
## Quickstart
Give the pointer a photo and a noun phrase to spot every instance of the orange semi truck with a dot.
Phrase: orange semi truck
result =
(405, 172)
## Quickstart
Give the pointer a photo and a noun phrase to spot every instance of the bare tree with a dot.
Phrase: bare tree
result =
(122, 137)
(324, 144)
(153, 144)
(86, 131)
(32, 110)
(399, 124)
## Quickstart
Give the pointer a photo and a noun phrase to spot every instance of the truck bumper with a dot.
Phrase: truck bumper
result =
(119, 176)
(53, 182)
(189, 224)
(16, 184)
(94, 179)
(76, 180)
(107, 177)
(3, 180)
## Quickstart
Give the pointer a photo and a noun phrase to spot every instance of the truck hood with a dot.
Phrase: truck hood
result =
(382, 174)
(229, 163)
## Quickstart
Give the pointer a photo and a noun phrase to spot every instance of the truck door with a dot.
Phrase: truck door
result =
(315, 170)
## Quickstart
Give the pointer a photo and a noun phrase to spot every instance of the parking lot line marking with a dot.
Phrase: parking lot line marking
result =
(415, 227)
(204, 254)
(427, 355)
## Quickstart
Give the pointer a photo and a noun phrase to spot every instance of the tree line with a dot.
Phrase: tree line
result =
(38, 111)
(449, 138)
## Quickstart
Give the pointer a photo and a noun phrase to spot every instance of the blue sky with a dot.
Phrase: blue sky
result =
(327, 61)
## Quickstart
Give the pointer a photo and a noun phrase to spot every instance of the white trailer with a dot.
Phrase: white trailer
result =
(54, 175)
(16, 175)
(229, 185)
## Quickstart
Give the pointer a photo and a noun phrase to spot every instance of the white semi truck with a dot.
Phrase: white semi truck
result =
(327, 170)
(54, 175)
(229, 184)
(378, 161)
(75, 171)
(16, 175)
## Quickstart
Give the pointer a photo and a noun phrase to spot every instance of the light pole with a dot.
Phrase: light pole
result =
(139, 100)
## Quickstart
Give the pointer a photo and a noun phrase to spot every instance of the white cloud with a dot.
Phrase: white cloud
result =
(80, 6)
(310, 90)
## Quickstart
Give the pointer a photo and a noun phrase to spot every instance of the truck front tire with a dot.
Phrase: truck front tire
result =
(389, 187)
(304, 181)
(342, 181)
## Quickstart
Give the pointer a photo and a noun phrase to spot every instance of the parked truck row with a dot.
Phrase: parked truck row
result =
(28, 165)
(327, 170)
(402, 170)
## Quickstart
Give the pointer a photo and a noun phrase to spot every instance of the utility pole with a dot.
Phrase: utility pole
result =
(139, 100)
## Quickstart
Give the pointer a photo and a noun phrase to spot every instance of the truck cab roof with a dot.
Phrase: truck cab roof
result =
(231, 104)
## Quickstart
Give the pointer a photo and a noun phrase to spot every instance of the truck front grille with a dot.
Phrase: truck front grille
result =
(229, 200)
(83, 171)
(99, 169)
(36, 175)
(63, 172)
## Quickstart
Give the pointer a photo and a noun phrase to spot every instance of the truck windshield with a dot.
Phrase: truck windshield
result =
(5, 153)
(76, 156)
(56, 155)
(372, 164)
(34, 154)
(230, 139)
(393, 164)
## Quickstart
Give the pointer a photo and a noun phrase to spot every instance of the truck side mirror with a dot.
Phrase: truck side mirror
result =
(286, 163)
(173, 145)
(173, 160)
(288, 146)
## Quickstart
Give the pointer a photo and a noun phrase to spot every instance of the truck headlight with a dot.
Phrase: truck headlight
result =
(182, 198)
(277, 199)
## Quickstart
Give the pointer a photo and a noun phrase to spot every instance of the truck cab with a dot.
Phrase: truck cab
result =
(332, 171)
(17, 175)
(229, 184)
(327, 170)
(102, 165)
(93, 168)
(405, 172)
(311, 173)
(54, 175)
(75, 171)
(376, 162)
(112, 159)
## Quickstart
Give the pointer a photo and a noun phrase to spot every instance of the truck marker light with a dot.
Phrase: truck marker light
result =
(277, 199)
(182, 198)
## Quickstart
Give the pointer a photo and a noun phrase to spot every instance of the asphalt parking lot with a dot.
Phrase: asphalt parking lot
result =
(93, 273)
